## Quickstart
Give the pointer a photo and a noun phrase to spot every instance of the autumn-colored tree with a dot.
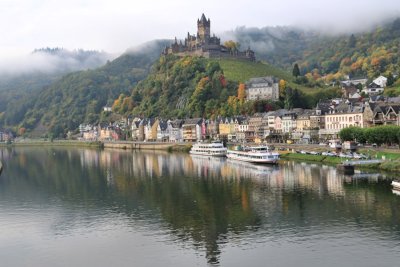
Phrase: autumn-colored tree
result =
(282, 86)
(241, 93)
(118, 102)
(21, 131)
(223, 81)
(232, 45)
(233, 103)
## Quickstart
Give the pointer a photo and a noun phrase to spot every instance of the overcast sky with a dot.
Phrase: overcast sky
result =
(115, 25)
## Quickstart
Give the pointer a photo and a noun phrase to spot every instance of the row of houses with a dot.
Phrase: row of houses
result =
(298, 125)
(353, 88)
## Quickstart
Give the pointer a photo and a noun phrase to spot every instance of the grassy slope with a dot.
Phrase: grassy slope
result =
(242, 71)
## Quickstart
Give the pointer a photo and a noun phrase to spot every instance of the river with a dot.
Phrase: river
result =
(87, 207)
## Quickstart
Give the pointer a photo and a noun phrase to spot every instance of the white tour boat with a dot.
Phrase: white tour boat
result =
(215, 149)
(396, 185)
(255, 154)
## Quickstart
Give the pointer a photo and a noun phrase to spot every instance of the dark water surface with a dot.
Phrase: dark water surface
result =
(82, 207)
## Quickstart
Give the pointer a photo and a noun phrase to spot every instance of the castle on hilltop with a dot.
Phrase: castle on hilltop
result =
(205, 45)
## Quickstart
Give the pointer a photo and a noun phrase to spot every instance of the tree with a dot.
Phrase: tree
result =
(232, 45)
(296, 70)
(21, 131)
(288, 98)
(352, 41)
(241, 95)
(390, 79)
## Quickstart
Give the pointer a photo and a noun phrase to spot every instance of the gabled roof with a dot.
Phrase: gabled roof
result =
(193, 121)
(374, 85)
(143, 122)
(394, 100)
(267, 79)
(163, 125)
(176, 123)
(151, 121)
(396, 108)
(323, 106)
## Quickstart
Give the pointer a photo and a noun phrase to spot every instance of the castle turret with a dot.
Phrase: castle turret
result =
(203, 29)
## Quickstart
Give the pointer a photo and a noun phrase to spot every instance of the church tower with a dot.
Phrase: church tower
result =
(203, 29)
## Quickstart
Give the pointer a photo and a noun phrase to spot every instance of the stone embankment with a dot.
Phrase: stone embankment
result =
(148, 145)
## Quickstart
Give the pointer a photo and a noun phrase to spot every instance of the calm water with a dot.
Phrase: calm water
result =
(72, 207)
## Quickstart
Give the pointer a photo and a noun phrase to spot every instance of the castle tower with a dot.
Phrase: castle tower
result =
(203, 29)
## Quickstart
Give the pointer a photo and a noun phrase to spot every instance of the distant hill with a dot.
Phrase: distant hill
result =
(80, 96)
(21, 79)
(366, 54)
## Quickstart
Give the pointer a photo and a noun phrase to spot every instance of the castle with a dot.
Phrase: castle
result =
(205, 45)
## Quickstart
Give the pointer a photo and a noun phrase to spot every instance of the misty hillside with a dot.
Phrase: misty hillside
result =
(80, 96)
(361, 54)
(43, 65)
(20, 80)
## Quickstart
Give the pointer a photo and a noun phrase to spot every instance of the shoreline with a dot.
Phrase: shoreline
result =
(386, 166)
(390, 164)
(107, 144)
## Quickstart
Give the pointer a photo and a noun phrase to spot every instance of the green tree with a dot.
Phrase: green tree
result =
(352, 41)
(390, 79)
(288, 102)
(296, 70)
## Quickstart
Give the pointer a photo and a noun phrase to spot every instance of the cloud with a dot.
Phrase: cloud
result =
(51, 61)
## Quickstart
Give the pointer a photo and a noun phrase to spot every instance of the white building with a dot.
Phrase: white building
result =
(262, 88)
(381, 81)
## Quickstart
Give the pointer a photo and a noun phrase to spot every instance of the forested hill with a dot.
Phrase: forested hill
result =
(22, 78)
(199, 87)
(366, 54)
(79, 97)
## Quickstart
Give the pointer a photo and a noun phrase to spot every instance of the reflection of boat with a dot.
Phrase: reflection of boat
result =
(248, 168)
(215, 149)
(396, 192)
(205, 158)
(1, 167)
(396, 185)
(256, 154)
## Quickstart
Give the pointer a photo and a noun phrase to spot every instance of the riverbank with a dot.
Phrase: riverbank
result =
(390, 165)
(71, 143)
(184, 147)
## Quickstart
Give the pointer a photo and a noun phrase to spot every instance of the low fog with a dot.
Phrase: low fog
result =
(48, 61)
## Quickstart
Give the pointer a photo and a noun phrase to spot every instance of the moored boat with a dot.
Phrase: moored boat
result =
(254, 154)
(215, 149)
(396, 185)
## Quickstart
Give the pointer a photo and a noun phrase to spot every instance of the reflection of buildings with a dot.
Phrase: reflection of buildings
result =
(314, 177)
(207, 202)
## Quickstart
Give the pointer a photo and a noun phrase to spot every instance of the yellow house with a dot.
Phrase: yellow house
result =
(225, 127)
(342, 117)
(303, 122)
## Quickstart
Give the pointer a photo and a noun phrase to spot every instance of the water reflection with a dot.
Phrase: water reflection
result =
(201, 201)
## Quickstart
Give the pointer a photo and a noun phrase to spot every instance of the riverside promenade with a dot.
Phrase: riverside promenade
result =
(147, 145)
